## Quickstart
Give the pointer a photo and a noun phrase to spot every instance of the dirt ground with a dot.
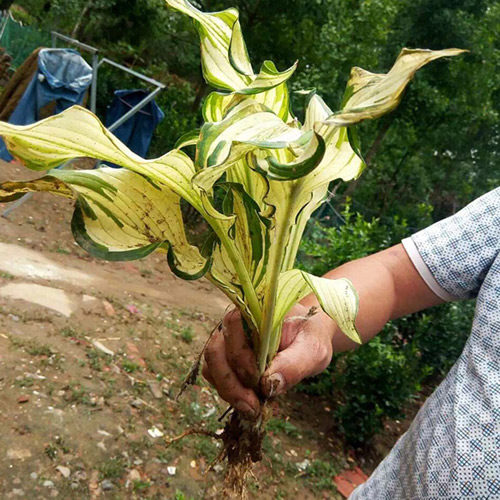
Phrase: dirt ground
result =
(92, 354)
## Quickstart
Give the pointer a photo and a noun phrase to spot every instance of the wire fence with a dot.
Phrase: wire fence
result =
(20, 41)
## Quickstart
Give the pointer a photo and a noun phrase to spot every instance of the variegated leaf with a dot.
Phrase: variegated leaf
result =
(337, 298)
(121, 215)
(370, 95)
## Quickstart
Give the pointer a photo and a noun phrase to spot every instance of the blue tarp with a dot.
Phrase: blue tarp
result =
(63, 76)
(137, 131)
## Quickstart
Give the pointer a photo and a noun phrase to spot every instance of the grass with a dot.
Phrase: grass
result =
(94, 358)
(63, 251)
(6, 276)
(129, 366)
(139, 485)
(205, 446)
(320, 475)
(113, 468)
(186, 334)
(51, 451)
(277, 425)
(24, 382)
(78, 394)
(68, 331)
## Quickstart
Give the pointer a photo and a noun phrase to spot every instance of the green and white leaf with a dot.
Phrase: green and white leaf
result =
(224, 57)
(120, 215)
(277, 99)
(338, 298)
(77, 133)
(371, 95)
(247, 127)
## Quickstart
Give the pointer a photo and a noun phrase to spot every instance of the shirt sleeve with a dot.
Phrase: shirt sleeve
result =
(454, 255)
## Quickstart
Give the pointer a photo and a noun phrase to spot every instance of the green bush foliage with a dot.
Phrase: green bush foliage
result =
(379, 379)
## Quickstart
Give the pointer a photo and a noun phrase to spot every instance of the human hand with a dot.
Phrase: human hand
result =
(230, 364)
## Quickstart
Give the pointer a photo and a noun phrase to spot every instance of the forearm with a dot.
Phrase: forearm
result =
(388, 286)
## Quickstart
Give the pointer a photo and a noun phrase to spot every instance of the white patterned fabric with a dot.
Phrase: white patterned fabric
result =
(452, 448)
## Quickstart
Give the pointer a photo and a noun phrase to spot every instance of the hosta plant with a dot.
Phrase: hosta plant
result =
(257, 176)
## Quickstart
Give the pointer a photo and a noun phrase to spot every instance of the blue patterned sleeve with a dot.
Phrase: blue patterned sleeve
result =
(458, 251)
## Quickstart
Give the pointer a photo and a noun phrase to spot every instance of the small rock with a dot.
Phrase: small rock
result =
(136, 403)
(80, 475)
(13, 317)
(23, 399)
(134, 475)
(102, 348)
(192, 464)
(48, 484)
(304, 465)
(101, 446)
(17, 492)
(155, 389)
(104, 433)
(74, 486)
(34, 476)
(132, 309)
(64, 471)
(110, 310)
(138, 461)
(18, 454)
(134, 355)
(107, 485)
(54, 493)
(171, 470)
(211, 411)
(218, 468)
(154, 432)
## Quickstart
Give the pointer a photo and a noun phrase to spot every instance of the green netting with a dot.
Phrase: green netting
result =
(20, 41)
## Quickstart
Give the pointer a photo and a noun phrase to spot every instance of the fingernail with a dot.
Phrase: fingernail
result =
(245, 408)
(275, 384)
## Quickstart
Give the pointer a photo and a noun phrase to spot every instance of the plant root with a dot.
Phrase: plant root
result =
(192, 376)
(191, 431)
(242, 447)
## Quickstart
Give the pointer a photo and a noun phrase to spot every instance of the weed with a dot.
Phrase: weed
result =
(186, 334)
(6, 276)
(276, 425)
(206, 447)
(68, 331)
(77, 394)
(141, 485)
(51, 451)
(320, 475)
(24, 382)
(130, 366)
(179, 495)
(94, 359)
(113, 468)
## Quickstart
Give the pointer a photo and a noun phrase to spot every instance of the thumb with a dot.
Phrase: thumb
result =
(307, 355)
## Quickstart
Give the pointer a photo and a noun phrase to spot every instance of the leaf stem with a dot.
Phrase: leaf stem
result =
(245, 281)
(278, 249)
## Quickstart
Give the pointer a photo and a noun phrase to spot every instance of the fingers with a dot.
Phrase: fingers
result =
(239, 354)
(308, 354)
(225, 380)
(292, 325)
